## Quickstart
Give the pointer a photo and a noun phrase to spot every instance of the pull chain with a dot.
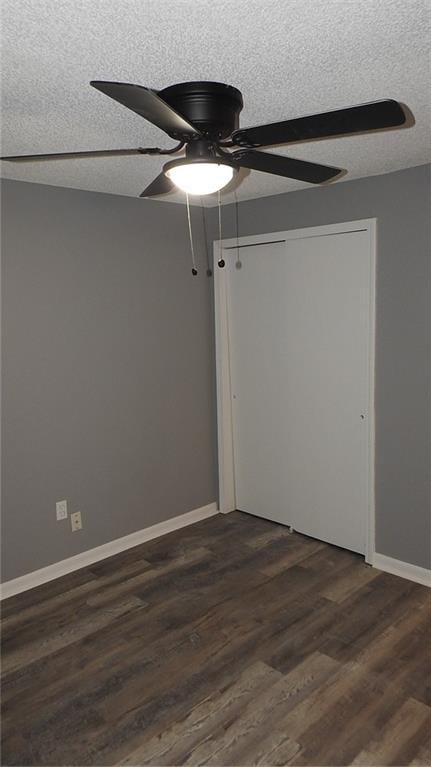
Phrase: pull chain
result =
(221, 261)
(238, 263)
(194, 269)
(209, 270)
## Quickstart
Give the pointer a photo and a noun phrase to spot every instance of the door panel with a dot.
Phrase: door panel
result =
(299, 356)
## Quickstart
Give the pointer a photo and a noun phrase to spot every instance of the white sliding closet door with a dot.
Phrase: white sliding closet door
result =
(298, 314)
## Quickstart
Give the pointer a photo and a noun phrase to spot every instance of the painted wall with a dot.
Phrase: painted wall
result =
(108, 377)
(401, 203)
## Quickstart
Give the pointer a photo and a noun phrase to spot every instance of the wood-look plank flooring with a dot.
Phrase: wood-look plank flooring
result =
(230, 642)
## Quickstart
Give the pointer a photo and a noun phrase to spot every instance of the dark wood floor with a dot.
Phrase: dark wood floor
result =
(230, 642)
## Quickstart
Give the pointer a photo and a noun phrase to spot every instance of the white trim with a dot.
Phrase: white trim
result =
(227, 499)
(293, 234)
(370, 544)
(89, 557)
(403, 569)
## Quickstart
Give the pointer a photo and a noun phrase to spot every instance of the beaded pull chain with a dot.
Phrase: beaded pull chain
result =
(238, 263)
(221, 261)
(194, 269)
(204, 223)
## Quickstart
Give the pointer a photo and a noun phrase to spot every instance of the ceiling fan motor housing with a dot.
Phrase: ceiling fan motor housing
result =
(213, 108)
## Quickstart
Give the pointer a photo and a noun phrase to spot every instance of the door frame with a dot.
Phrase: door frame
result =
(225, 431)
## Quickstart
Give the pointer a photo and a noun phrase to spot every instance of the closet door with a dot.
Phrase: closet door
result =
(299, 347)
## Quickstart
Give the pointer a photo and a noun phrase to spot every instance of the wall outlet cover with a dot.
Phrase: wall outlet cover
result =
(61, 510)
(76, 521)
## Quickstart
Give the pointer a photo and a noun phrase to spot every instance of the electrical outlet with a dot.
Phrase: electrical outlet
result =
(76, 521)
(61, 509)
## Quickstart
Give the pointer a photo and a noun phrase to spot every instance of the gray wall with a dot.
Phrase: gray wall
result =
(401, 203)
(108, 370)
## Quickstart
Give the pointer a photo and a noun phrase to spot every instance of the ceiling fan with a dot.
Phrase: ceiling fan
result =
(204, 118)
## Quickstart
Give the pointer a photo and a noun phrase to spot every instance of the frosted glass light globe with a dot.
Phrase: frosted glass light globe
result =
(200, 177)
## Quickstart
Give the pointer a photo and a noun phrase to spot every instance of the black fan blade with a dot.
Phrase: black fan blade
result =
(161, 185)
(285, 166)
(376, 115)
(73, 155)
(148, 104)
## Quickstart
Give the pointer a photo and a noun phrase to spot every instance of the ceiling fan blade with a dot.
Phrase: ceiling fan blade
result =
(376, 115)
(161, 185)
(285, 166)
(72, 155)
(147, 103)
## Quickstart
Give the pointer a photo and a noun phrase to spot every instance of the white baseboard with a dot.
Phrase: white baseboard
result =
(89, 557)
(403, 569)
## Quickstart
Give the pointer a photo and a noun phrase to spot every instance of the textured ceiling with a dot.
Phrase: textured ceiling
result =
(288, 57)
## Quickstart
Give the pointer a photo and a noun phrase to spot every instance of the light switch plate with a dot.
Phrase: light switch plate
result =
(61, 510)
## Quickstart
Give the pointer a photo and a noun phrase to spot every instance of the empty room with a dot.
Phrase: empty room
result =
(216, 383)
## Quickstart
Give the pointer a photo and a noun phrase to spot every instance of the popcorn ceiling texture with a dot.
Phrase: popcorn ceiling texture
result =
(288, 57)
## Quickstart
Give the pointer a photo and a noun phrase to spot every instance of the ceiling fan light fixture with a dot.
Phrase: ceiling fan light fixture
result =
(199, 177)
